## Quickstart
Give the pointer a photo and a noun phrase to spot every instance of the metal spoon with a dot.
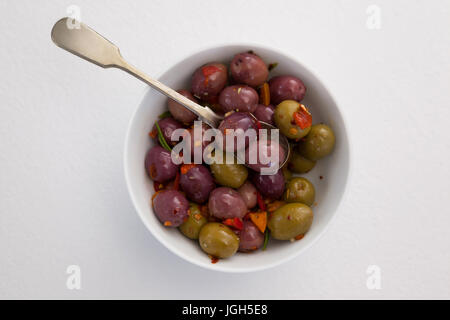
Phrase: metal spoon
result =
(79, 39)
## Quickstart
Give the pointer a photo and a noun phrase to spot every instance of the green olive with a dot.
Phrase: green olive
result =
(318, 143)
(231, 175)
(300, 190)
(299, 164)
(284, 120)
(195, 221)
(290, 220)
(218, 240)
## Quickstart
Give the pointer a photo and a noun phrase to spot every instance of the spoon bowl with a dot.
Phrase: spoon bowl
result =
(280, 139)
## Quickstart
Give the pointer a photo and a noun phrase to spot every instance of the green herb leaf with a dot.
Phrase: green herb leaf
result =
(273, 66)
(165, 115)
(266, 239)
(161, 139)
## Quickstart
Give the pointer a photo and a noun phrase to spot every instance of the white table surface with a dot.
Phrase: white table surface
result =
(63, 199)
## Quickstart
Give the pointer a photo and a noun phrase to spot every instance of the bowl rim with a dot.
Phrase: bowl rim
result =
(218, 267)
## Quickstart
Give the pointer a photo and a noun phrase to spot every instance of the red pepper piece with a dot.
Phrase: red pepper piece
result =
(260, 200)
(258, 124)
(233, 222)
(209, 70)
(238, 224)
(186, 167)
(214, 259)
(299, 237)
(153, 133)
(302, 117)
(176, 183)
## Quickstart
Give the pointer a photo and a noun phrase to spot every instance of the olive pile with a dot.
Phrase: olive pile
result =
(229, 207)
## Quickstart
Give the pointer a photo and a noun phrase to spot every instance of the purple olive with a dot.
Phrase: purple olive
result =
(238, 97)
(159, 165)
(168, 126)
(264, 113)
(248, 194)
(250, 237)
(171, 207)
(208, 80)
(179, 112)
(286, 88)
(235, 121)
(264, 154)
(248, 68)
(271, 186)
(226, 203)
(197, 183)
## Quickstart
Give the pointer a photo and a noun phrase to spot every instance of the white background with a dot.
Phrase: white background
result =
(63, 198)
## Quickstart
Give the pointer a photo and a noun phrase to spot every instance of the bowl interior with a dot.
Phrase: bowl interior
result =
(329, 190)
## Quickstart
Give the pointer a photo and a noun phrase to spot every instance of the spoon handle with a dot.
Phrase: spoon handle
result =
(79, 39)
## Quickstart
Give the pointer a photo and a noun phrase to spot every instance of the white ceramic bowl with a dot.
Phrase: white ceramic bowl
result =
(329, 190)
